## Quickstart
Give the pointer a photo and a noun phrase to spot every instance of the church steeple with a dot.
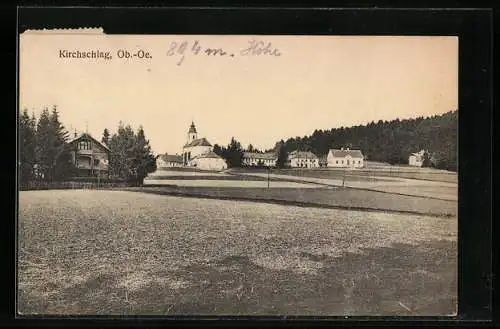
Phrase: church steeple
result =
(192, 133)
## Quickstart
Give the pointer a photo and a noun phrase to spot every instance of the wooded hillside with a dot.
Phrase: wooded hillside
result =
(391, 141)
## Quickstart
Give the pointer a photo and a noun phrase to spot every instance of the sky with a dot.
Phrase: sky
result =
(317, 82)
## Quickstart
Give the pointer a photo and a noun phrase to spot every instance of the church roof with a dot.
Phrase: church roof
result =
(210, 154)
(198, 142)
(192, 128)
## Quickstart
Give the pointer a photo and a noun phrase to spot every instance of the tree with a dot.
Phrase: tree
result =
(282, 155)
(60, 152)
(43, 141)
(143, 161)
(250, 148)
(121, 147)
(105, 137)
(130, 155)
(27, 146)
(426, 162)
(233, 154)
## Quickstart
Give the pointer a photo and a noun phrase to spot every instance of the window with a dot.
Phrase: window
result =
(84, 145)
(96, 162)
(342, 161)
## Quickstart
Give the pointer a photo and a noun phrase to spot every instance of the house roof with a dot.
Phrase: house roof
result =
(171, 158)
(344, 153)
(302, 154)
(256, 155)
(198, 142)
(207, 155)
(87, 135)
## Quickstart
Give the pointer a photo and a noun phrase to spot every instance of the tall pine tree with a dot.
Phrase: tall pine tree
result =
(43, 145)
(59, 153)
(105, 137)
(143, 161)
(27, 146)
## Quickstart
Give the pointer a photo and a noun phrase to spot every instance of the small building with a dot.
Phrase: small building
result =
(89, 156)
(208, 161)
(345, 158)
(416, 159)
(303, 159)
(254, 159)
(169, 161)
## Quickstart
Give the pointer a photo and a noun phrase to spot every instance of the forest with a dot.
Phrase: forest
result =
(390, 141)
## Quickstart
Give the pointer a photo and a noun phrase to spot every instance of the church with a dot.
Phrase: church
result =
(198, 153)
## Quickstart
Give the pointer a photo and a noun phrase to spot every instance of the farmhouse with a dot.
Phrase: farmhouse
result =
(169, 161)
(303, 159)
(89, 156)
(197, 152)
(416, 159)
(345, 158)
(259, 159)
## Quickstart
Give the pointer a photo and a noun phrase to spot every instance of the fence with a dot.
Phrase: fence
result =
(43, 185)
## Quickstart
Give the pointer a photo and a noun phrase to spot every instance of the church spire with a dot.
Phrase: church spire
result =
(192, 133)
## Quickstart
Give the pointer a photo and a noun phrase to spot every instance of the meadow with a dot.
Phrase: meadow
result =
(121, 252)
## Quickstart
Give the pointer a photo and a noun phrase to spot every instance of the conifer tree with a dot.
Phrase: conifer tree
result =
(27, 145)
(105, 137)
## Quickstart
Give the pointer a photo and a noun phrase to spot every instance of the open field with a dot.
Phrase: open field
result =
(345, 198)
(117, 252)
(223, 183)
(413, 187)
(176, 172)
(381, 173)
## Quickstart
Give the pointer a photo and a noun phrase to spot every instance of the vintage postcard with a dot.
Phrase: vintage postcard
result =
(237, 174)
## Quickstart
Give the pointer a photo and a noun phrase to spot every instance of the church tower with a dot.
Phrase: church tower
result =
(192, 134)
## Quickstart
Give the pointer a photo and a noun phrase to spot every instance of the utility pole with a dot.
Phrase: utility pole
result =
(268, 174)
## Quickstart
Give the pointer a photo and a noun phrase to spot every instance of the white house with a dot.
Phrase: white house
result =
(169, 161)
(259, 159)
(197, 152)
(303, 159)
(345, 158)
(416, 159)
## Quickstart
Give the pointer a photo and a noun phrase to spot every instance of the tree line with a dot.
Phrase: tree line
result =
(233, 153)
(45, 150)
(390, 141)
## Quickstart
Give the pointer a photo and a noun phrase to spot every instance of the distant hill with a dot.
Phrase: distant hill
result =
(390, 141)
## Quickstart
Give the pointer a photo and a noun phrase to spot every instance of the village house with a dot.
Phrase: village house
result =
(89, 156)
(303, 159)
(197, 152)
(345, 158)
(259, 159)
(416, 159)
(168, 161)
